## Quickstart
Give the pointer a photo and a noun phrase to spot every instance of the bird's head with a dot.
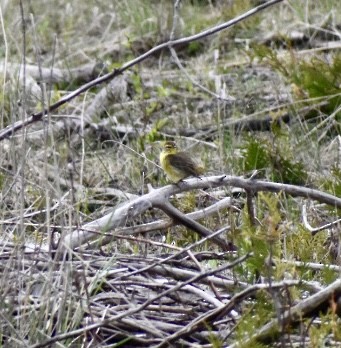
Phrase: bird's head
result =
(170, 147)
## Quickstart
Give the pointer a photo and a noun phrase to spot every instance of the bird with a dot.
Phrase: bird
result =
(177, 164)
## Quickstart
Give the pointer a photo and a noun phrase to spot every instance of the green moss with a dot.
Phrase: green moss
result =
(327, 328)
(320, 78)
(275, 157)
(317, 78)
(301, 245)
(255, 315)
(333, 184)
(194, 48)
(255, 155)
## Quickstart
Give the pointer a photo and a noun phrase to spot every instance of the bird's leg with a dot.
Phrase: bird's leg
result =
(178, 183)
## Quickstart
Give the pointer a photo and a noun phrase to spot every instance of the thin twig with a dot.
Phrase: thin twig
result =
(16, 126)
(175, 256)
(295, 314)
(216, 313)
(314, 230)
(139, 308)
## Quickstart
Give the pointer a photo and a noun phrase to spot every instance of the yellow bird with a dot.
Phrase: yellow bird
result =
(178, 165)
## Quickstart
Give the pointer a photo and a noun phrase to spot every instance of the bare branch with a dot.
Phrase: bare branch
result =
(157, 198)
(223, 310)
(144, 305)
(162, 224)
(84, 72)
(175, 214)
(295, 314)
(313, 266)
(11, 129)
(316, 229)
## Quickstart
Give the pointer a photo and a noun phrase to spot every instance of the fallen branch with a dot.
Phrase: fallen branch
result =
(16, 126)
(308, 307)
(157, 198)
(225, 203)
(85, 72)
(117, 317)
(216, 313)
(175, 214)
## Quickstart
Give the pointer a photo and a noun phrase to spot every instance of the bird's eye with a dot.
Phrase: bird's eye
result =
(170, 146)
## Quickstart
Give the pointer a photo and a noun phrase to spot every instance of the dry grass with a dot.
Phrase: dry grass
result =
(55, 174)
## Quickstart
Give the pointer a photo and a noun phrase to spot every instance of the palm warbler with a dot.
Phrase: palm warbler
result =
(178, 165)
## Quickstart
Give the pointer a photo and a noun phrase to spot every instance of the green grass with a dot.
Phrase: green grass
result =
(64, 168)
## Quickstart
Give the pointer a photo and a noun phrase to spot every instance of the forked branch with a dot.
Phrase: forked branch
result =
(158, 198)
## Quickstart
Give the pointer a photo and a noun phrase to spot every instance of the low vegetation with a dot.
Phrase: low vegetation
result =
(98, 248)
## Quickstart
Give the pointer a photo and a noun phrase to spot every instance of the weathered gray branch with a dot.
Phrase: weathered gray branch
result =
(292, 316)
(11, 129)
(157, 199)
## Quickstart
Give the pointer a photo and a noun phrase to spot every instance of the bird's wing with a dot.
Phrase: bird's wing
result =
(182, 161)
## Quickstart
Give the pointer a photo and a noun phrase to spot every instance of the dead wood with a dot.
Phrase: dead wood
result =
(83, 73)
(35, 117)
(327, 298)
(158, 198)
